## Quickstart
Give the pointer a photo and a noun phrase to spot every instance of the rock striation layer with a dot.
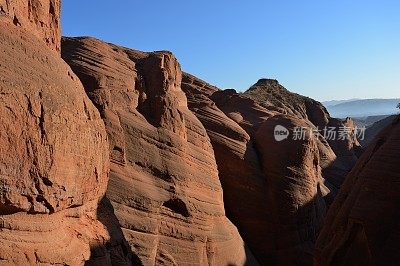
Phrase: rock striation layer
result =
(337, 155)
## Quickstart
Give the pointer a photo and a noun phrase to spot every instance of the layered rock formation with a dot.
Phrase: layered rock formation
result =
(173, 140)
(164, 184)
(53, 145)
(295, 192)
(337, 154)
(271, 95)
(362, 226)
(239, 168)
(256, 178)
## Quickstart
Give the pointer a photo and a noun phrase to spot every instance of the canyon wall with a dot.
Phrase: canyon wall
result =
(53, 145)
(164, 184)
(362, 225)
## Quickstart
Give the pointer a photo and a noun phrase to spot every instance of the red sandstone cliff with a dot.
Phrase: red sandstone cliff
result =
(53, 145)
(164, 184)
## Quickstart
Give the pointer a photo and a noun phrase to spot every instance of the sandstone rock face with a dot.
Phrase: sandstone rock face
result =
(362, 225)
(40, 17)
(164, 184)
(239, 168)
(337, 156)
(271, 95)
(53, 151)
(257, 177)
(295, 192)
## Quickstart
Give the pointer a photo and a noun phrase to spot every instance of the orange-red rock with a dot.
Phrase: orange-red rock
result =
(337, 156)
(272, 95)
(237, 126)
(164, 184)
(53, 148)
(362, 225)
(239, 168)
(39, 17)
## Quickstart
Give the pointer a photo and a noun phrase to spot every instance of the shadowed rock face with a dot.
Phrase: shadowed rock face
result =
(295, 192)
(362, 225)
(257, 175)
(164, 184)
(239, 168)
(337, 156)
(53, 149)
(39, 17)
(168, 133)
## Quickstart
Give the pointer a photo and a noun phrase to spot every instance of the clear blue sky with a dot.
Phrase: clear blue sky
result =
(325, 49)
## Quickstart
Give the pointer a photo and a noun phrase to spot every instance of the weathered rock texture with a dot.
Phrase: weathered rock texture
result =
(362, 226)
(257, 176)
(39, 17)
(164, 184)
(295, 192)
(271, 95)
(239, 168)
(53, 147)
(338, 156)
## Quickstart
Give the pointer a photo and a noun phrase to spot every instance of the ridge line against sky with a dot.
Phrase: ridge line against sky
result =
(322, 49)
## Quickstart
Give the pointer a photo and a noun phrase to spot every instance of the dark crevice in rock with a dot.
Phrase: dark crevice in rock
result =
(8, 209)
(177, 206)
(43, 200)
(16, 21)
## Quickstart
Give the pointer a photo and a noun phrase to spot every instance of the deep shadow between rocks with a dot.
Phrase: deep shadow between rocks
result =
(116, 251)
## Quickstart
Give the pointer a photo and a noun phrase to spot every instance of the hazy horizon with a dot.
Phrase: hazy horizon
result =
(323, 50)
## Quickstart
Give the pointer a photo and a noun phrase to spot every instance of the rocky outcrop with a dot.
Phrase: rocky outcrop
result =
(39, 17)
(164, 184)
(256, 178)
(347, 151)
(362, 226)
(272, 95)
(53, 147)
(338, 155)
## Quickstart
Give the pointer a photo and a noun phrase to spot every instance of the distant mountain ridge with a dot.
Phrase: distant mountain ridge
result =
(336, 102)
(362, 108)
